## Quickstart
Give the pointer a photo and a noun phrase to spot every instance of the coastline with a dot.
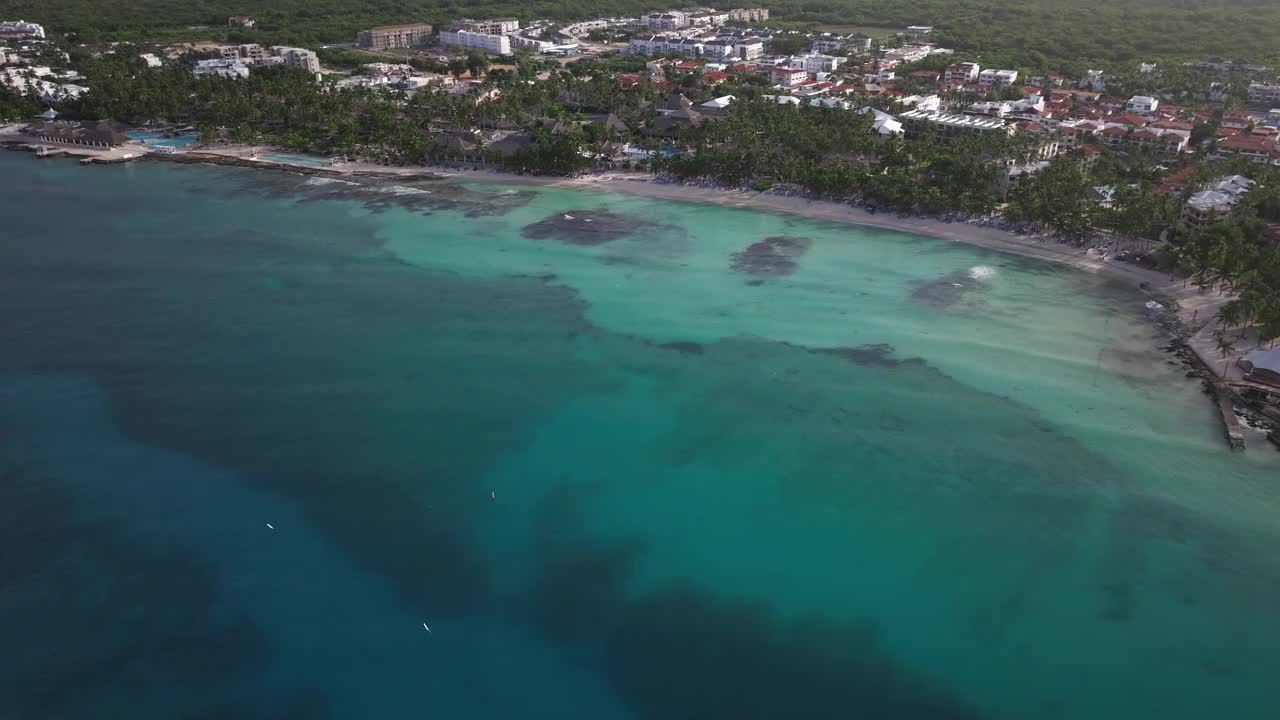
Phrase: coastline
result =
(1194, 309)
(1186, 318)
(1191, 310)
(1185, 313)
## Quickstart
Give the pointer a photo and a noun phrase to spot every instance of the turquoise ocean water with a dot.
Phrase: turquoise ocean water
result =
(624, 458)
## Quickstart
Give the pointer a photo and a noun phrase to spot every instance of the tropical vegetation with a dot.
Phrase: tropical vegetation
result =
(1033, 33)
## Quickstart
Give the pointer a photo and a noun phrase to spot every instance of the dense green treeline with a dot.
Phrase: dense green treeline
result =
(284, 106)
(14, 106)
(1030, 33)
(300, 22)
(1238, 256)
(835, 153)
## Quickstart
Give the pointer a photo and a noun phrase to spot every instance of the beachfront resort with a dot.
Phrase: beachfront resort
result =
(827, 360)
(1142, 164)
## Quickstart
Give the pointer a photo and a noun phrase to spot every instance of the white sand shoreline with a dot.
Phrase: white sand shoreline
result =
(1195, 308)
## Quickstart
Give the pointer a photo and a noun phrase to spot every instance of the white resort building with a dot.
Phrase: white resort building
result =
(919, 121)
(1216, 202)
(221, 68)
(495, 26)
(494, 44)
(21, 30)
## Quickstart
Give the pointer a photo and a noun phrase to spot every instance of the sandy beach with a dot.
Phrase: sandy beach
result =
(1192, 303)
(1195, 309)
(645, 185)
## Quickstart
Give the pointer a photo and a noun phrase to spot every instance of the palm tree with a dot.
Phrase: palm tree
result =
(1225, 346)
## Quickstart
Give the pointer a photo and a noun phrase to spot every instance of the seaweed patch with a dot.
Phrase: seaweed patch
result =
(875, 355)
(951, 288)
(684, 347)
(585, 227)
(773, 256)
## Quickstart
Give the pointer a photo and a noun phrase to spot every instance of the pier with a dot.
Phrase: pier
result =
(1231, 423)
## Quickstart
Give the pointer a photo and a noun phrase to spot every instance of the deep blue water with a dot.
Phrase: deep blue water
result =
(259, 433)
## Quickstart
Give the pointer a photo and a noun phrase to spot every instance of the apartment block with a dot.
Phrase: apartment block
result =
(495, 44)
(495, 26)
(389, 37)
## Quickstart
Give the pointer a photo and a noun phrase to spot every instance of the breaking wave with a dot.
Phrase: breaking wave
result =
(982, 272)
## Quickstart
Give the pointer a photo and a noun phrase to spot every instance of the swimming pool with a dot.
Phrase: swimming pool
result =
(152, 139)
(309, 160)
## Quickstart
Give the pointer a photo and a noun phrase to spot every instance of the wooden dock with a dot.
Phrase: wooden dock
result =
(1231, 423)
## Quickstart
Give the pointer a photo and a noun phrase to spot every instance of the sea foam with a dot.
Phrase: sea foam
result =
(982, 272)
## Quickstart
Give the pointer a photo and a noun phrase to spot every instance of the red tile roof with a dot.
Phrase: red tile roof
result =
(1129, 119)
(1247, 143)
(1174, 181)
(715, 76)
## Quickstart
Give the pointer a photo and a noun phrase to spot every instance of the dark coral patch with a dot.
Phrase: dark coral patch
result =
(678, 651)
(945, 291)
(771, 257)
(685, 347)
(584, 227)
(875, 355)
